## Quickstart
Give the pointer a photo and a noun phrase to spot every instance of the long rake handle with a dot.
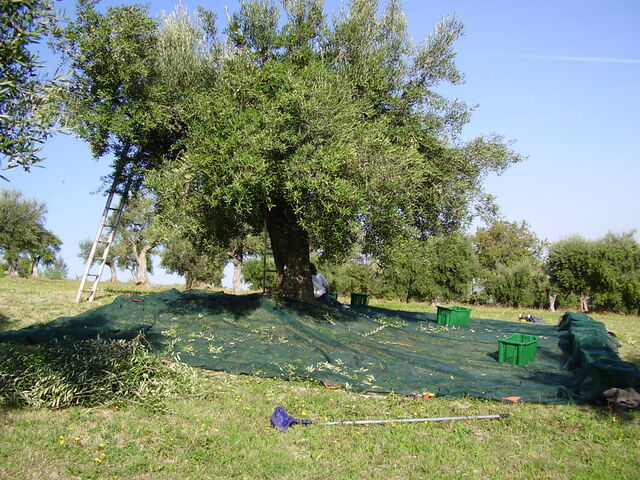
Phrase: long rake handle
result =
(408, 420)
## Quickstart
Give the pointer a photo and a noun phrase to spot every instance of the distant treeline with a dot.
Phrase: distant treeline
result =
(503, 264)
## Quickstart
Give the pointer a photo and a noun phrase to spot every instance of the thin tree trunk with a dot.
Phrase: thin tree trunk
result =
(290, 246)
(12, 269)
(237, 272)
(552, 302)
(34, 266)
(584, 307)
(114, 272)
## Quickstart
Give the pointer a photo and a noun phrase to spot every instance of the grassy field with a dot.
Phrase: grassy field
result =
(223, 430)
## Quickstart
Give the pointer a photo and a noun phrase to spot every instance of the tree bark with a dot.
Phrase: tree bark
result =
(140, 275)
(290, 246)
(237, 257)
(114, 272)
(237, 272)
(584, 303)
(12, 269)
(552, 303)
(34, 266)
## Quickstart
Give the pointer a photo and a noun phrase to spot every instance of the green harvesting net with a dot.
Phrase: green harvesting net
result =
(364, 349)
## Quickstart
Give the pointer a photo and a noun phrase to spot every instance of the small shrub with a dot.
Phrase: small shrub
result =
(89, 372)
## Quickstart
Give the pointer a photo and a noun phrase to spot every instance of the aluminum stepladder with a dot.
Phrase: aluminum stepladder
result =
(116, 201)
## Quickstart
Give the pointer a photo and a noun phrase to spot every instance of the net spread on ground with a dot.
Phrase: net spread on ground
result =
(366, 348)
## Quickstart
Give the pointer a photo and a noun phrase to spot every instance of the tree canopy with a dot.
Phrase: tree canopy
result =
(440, 267)
(182, 257)
(23, 233)
(23, 127)
(327, 132)
(507, 243)
(605, 271)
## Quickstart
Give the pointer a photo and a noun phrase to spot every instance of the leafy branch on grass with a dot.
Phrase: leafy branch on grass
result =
(91, 372)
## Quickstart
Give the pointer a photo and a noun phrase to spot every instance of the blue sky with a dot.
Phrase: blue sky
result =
(559, 78)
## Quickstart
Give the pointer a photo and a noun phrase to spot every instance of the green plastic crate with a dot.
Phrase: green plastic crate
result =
(518, 349)
(359, 299)
(451, 316)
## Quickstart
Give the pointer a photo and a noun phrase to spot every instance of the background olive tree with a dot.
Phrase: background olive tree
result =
(604, 272)
(23, 235)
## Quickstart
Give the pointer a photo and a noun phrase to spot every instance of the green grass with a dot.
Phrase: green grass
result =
(223, 431)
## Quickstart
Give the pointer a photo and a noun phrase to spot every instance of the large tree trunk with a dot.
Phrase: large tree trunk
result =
(290, 246)
(141, 276)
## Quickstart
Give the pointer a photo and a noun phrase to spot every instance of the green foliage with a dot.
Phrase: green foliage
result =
(617, 272)
(23, 234)
(22, 92)
(88, 373)
(570, 264)
(108, 91)
(129, 78)
(519, 285)
(357, 275)
(56, 270)
(605, 270)
(507, 243)
(140, 234)
(439, 267)
(320, 130)
(253, 273)
(182, 257)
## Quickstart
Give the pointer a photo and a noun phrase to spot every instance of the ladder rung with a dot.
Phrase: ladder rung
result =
(122, 191)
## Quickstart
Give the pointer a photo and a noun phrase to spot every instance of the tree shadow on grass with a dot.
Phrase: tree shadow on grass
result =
(635, 360)
(72, 329)
(5, 322)
(612, 413)
(213, 303)
(389, 314)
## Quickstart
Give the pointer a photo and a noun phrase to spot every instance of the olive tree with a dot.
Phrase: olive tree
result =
(326, 132)
(604, 271)
(23, 234)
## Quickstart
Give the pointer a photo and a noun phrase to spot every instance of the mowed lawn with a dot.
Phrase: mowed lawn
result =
(223, 430)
